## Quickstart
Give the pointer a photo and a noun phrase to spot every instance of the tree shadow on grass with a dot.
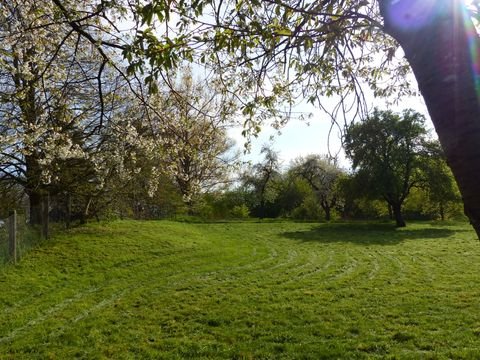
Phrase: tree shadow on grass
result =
(368, 233)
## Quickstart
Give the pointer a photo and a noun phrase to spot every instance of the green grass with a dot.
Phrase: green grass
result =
(167, 290)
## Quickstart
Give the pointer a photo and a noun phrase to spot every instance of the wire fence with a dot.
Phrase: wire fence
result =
(26, 227)
(29, 225)
(17, 236)
(4, 243)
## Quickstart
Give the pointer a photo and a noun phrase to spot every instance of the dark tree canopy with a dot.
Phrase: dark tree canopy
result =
(261, 180)
(386, 149)
(438, 179)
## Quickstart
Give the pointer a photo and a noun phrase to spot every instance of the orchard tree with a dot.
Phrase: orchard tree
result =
(442, 190)
(438, 181)
(386, 150)
(188, 130)
(292, 193)
(56, 97)
(322, 174)
(261, 179)
(11, 195)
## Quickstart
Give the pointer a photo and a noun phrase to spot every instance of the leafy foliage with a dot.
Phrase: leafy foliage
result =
(386, 150)
(270, 54)
(76, 117)
(439, 184)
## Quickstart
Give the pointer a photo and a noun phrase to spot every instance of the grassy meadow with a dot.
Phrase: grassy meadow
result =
(253, 290)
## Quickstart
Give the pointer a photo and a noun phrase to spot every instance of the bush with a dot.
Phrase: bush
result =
(203, 210)
(308, 210)
(240, 211)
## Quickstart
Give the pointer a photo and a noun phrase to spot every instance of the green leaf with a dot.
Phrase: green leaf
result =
(283, 32)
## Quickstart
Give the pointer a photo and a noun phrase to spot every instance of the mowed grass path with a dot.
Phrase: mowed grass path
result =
(153, 290)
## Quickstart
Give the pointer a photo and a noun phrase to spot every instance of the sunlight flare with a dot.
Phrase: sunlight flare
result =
(410, 15)
(472, 39)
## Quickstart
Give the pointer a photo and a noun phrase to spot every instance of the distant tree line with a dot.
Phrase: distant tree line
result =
(181, 162)
(398, 172)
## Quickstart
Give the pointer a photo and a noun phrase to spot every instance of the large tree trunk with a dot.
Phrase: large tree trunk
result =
(35, 207)
(327, 209)
(441, 210)
(328, 213)
(442, 46)
(33, 189)
(397, 214)
(262, 208)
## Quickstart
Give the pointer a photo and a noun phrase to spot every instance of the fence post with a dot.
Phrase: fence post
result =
(45, 211)
(12, 236)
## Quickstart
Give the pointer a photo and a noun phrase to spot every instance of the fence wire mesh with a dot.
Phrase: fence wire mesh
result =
(16, 241)
(4, 239)
(47, 215)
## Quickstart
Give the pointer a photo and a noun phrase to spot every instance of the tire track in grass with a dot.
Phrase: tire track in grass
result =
(253, 267)
(47, 314)
(314, 269)
(306, 266)
(318, 264)
(419, 268)
(175, 281)
(51, 311)
(286, 259)
(36, 298)
(286, 270)
(348, 275)
(364, 271)
(302, 264)
(179, 281)
(321, 263)
(432, 266)
(342, 269)
(373, 269)
(238, 279)
(84, 313)
(411, 269)
(327, 256)
(379, 269)
(280, 258)
(88, 312)
(172, 280)
(392, 271)
(276, 262)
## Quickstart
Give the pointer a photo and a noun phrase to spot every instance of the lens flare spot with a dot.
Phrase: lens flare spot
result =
(411, 14)
(472, 38)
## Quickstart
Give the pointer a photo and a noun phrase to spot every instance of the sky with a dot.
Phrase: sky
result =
(299, 138)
